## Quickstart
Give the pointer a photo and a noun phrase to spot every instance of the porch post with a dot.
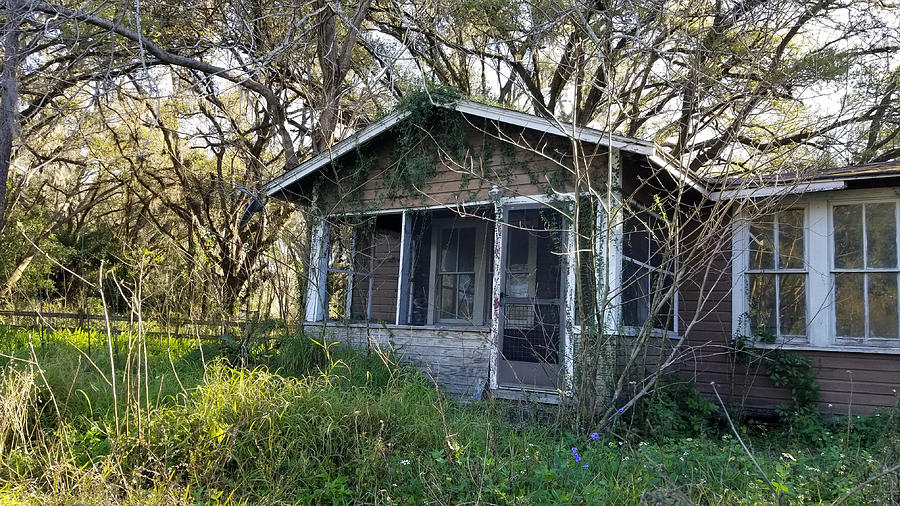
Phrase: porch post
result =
(403, 275)
(496, 286)
(316, 294)
(569, 304)
(608, 272)
(608, 248)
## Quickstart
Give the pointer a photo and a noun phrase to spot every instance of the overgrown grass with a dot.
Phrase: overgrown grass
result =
(312, 424)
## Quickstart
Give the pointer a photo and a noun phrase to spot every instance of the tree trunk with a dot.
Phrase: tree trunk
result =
(9, 103)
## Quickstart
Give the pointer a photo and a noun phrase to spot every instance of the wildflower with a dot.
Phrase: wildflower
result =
(575, 455)
(595, 436)
(621, 410)
(585, 466)
(788, 456)
(404, 462)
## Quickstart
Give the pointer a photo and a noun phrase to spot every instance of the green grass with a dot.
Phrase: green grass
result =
(308, 424)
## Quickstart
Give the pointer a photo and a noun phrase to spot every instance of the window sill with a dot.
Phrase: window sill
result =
(834, 348)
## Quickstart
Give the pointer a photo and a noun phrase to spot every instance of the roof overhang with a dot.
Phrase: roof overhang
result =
(489, 112)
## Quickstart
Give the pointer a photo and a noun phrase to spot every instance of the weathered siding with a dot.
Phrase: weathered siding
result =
(457, 360)
(849, 381)
(526, 165)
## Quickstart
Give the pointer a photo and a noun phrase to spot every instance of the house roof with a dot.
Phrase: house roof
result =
(489, 112)
(783, 183)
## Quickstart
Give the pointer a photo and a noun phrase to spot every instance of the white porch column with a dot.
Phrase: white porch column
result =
(568, 351)
(316, 294)
(496, 285)
(609, 224)
(403, 275)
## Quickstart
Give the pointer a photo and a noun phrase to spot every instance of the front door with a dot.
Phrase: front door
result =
(531, 300)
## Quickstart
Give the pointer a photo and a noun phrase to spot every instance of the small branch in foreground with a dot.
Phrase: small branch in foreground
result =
(744, 446)
(863, 484)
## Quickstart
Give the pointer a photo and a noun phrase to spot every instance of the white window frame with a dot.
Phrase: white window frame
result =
(634, 331)
(866, 341)
(819, 252)
(741, 295)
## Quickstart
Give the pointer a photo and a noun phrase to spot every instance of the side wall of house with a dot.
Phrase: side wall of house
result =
(848, 381)
(457, 360)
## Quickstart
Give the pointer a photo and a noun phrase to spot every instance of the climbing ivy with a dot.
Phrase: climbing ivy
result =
(427, 132)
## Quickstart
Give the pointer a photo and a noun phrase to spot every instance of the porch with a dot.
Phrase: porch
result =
(481, 296)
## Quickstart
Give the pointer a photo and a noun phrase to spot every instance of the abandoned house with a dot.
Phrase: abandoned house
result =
(484, 244)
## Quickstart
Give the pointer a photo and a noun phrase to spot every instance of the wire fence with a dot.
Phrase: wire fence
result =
(173, 328)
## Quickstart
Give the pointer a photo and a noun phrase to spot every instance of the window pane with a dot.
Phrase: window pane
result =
(658, 241)
(790, 239)
(762, 305)
(635, 300)
(336, 287)
(848, 245)
(665, 319)
(449, 243)
(793, 304)
(517, 257)
(448, 296)
(517, 284)
(883, 305)
(881, 235)
(466, 258)
(465, 293)
(636, 239)
(849, 305)
(762, 245)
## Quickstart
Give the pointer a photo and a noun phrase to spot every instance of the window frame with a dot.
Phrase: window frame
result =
(437, 228)
(820, 310)
(777, 271)
(865, 341)
(635, 331)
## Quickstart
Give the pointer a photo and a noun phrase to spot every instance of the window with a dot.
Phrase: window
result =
(648, 301)
(457, 271)
(339, 271)
(822, 273)
(865, 271)
(776, 277)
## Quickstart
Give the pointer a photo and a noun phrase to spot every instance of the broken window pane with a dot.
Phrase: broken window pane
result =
(762, 245)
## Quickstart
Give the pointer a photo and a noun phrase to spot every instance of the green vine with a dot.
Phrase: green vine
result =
(427, 132)
(789, 370)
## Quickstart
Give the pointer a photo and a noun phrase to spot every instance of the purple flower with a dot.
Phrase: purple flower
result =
(595, 436)
(585, 466)
(621, 410)
(575, 454)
